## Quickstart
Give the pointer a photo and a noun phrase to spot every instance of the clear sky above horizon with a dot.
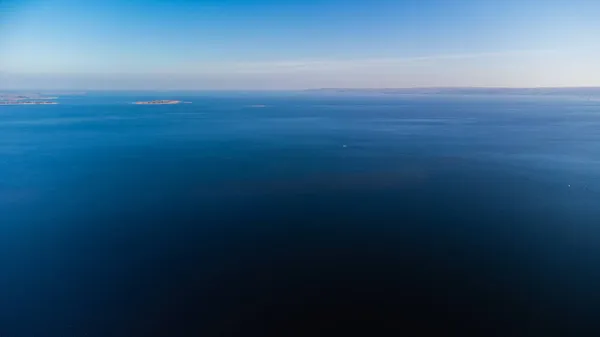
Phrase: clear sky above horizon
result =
(269, 44)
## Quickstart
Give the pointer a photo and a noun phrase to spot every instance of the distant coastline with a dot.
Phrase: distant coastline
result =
(157, 102)
(17, 98)
(22, 97)
(28, 103)
(558, 91)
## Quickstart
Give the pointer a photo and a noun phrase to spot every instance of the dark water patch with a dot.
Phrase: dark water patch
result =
(459, 249)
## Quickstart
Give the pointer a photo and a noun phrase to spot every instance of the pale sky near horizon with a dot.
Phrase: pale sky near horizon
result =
(269, 44)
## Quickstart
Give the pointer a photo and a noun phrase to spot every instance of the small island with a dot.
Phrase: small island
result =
(157, 102)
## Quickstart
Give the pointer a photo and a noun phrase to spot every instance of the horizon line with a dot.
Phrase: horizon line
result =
(314, 89)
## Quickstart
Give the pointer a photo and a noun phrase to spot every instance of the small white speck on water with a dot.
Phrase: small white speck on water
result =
(344, 145)
(569, 185)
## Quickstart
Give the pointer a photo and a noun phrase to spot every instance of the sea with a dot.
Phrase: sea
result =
(300, 214)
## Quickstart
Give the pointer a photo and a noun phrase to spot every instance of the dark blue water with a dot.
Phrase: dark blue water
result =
(310, 216)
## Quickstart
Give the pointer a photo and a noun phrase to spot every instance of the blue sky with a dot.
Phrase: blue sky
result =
(269, 44)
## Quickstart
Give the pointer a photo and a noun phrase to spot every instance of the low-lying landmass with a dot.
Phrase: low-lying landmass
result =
(21, 97)
(570, 91)
(157, 102)
(18, 98)
(26, 102)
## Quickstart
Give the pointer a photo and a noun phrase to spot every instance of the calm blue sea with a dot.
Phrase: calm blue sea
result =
(257, 214)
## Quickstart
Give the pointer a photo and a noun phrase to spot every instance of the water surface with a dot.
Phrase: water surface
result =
(259, 214)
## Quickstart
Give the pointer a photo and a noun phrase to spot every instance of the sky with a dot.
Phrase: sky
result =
(293, 44)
